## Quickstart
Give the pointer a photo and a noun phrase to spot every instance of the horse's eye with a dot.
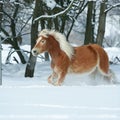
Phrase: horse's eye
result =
(42, 41)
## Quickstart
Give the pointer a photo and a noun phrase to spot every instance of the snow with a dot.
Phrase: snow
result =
(78, 98)
(60, 103)
(50, 3)
(113, 53)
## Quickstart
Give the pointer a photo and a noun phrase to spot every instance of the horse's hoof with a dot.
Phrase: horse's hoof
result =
(50, 82)
(57, 84)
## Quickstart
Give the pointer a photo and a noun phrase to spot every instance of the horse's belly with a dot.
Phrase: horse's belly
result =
(81, 70)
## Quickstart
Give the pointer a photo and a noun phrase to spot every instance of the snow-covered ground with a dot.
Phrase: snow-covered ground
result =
(79, 98)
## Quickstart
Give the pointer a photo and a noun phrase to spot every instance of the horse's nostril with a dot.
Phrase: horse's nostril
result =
(34, 51)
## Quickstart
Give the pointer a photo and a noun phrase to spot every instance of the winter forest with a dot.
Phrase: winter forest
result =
(24, 90)
(81, 21)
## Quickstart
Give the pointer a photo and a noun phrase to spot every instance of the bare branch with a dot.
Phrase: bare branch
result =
(113, 6)
(80, 10)
(55, 15)
(24, 25)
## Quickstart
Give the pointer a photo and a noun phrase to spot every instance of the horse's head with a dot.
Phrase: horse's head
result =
(40, 46)
(45, 42)
(50, 41)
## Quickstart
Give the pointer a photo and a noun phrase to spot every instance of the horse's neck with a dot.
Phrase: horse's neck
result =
(55, 50)
(55, 53)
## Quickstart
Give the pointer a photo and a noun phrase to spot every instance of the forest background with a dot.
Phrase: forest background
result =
(82, 22)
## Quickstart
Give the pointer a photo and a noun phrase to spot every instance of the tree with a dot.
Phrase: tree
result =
(29, 72)
(1, 14)
(78, 8)
(45, 22)
(13, 25)
(102, 22)
(97, 22)
(89, 34)
(61, 16)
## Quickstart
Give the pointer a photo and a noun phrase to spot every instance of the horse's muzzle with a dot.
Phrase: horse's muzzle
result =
(35, 52)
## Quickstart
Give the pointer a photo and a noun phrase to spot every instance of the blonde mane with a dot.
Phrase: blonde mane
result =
(64, 45)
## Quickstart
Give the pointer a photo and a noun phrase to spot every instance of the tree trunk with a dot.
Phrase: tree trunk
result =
(102, 23)
(19, 52)
(29, 72)
(14, 41)
(89, 26)
(49, 25)
(15, 44)
(47, 56)
(1, 12)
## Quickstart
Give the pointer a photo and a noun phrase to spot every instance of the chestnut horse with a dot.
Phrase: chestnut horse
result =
(65, 58)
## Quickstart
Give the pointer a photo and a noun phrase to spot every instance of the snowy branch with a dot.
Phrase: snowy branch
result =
(113, 6)
(24, 25)
(55, 15)
(1, 2)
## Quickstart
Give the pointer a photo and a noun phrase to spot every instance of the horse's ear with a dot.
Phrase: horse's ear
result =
(47, 35)
(44, 32)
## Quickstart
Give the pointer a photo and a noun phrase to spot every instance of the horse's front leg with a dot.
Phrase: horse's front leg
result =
(60, 79)
(52, 77)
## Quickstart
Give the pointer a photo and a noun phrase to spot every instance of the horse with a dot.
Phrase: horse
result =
(67, 59)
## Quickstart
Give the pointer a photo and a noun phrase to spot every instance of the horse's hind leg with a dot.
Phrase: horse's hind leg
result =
(111, 77)
(98, 76)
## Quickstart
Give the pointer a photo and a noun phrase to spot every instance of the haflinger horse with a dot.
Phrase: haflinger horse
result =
(66, 58)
